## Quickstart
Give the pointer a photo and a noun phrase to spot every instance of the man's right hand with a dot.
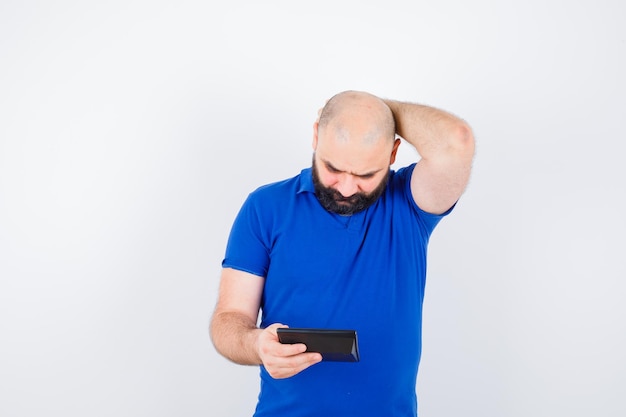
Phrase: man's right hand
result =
(283, 360)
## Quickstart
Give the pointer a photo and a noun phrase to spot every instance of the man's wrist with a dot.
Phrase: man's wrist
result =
(254, 337)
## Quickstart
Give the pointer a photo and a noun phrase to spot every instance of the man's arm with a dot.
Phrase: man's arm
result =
(446, 146)
(236, 336)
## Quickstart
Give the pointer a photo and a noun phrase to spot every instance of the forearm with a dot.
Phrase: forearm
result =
(235, 336)
(431, 131)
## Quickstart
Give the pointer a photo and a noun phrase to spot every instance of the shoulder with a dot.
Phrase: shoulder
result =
(280, 189)
(274, 198)
(400, 189)
(400, 181)
(402, 175)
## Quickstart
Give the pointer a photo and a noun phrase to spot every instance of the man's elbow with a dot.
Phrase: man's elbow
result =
(213, 334)
(463, 140)
(219, 331)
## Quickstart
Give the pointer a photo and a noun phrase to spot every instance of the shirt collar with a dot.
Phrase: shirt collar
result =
(306, 181)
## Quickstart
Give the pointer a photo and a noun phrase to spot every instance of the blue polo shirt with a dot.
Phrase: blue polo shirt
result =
(364, 272)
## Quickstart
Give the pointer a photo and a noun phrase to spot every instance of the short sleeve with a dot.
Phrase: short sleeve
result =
(428, 221)
(246, 249)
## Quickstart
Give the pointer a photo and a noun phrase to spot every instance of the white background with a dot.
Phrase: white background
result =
(132, 131)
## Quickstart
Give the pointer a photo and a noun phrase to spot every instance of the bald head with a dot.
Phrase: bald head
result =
(355, 116)
(354, 145)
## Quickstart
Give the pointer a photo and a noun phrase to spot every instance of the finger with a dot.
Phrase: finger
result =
(272, 328)
(270, 332)
(271, 348)
(305, 361)
(286, 350)
(297, 361)
(293, 365)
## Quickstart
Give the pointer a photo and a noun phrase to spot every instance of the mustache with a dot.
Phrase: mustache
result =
(353, 199)
(333, 201)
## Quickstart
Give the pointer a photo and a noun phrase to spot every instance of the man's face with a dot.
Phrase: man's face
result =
(334, 201)
(352, 154)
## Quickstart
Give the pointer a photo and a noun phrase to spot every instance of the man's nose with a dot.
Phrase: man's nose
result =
(347, 185)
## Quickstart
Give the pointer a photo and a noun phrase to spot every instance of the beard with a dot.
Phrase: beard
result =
(333, 201)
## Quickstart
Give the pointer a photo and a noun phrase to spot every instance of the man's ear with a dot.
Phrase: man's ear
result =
(396, 144)
(315, 129)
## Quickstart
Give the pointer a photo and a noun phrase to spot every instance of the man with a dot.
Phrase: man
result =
(343, 246)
